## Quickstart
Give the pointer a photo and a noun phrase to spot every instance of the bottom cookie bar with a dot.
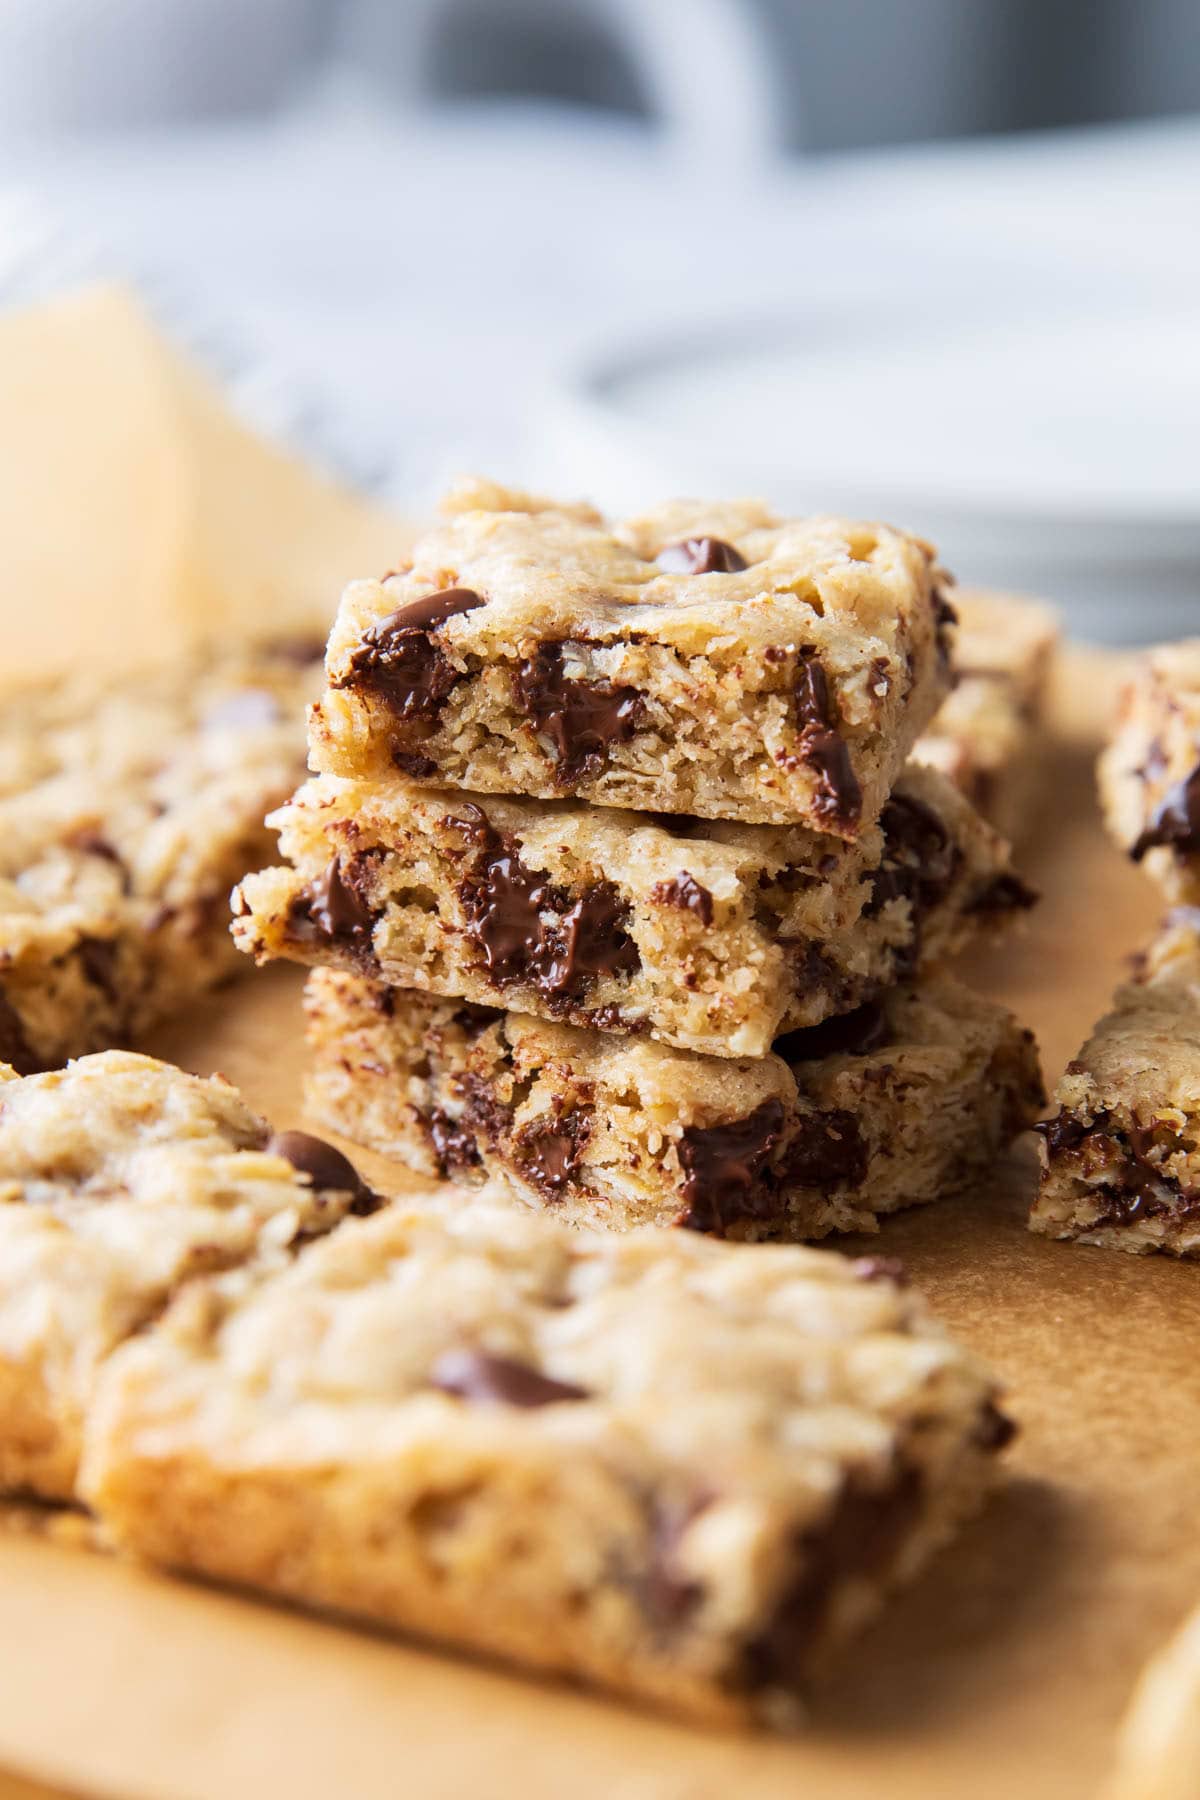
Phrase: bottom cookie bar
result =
(898, 1103)
(1121, 1156)
(121, 1178)
(679, 1469)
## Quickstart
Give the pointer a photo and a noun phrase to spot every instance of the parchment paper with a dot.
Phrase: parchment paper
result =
(1001, 1674)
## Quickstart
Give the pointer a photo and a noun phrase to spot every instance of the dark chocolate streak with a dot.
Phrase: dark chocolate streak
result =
(861, 1537)
(1137, 1187)
(334, 907)
(549, 1150)
(826, 1152)
(15, 1048)
(701, 556)
(838, 799)
(845, 1034)
(528, 929)
(399, 661)
(1175, 820)
(724, 1167)
(477, 1375)
(685, 892)
(581, 718)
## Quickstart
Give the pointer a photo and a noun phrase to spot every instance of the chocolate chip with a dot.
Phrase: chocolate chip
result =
(550, 1150)
(700, 556)
(399, 661)
(325, 1166)
(334, 906)
(477, 1375)
(1175, 820)
(582, 719)
(99, 959)
(724, 1166)
(880, 1268)
(920, 862)
(838, 799)
(1133, 1183)
(591, 941)
(862, 1536)
(1003, 893)
(15, 1048)
(854, 1033)
(410, 763)
(944, 620)
(453, 1145)
(685, 892)
(529, 929)
(1066, 1131)
(995, 1429)
(827, 1151)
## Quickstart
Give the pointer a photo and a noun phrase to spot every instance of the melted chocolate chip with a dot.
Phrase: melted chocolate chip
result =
(685, 892)
(1003, 893)
(1175, 820)
(838, 799)
(826, 1152)
(531, 930)
(550, 1150)
(453, 1145)
(1066, 1131)
(334, 906)
(1134, 1183)
(477, 1375)
(581, 718)
(845, 1034)
(99, 959)
(413, 764)
(724, 1166)
(325, 1167)
(920, 861)
(15, 1048)
(700, 556)
(862, 1537)
(399, 661)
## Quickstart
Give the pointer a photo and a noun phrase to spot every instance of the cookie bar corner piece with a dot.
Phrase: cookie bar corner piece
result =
(1121, 1154)
(121, 1179)
(706, 660)
(1149, 771)
(484, 1433)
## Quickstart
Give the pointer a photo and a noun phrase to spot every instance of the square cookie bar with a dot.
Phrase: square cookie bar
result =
(121, 1178)
(985, 739)
(678, 1469)
(904, 1101)
(711, 936)
(703, 659)
(1149, 772)
(127, 812)
(1121, 1156)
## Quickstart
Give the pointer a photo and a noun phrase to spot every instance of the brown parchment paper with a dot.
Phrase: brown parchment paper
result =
(1002, 1674)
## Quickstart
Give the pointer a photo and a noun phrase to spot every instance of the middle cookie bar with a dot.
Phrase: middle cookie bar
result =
(707, 935)
(896, 1104)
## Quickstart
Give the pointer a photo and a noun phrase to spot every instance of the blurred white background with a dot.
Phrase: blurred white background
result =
(936, 259)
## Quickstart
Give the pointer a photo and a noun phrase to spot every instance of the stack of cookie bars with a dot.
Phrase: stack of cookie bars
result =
(616, 884)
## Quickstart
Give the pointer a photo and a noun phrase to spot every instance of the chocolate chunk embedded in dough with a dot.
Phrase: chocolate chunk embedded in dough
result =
(581, 718)
(723, 1168)
(477, 1375)
(700, 556)
(685, 892)
(399, 660)
(1175, 820)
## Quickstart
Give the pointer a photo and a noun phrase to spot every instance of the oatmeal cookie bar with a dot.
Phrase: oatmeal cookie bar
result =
(901, 1102)
(985, 737)
(1149, 773)
(1121, 1156)
(711, 936)
(679, 1469)
(703, 659)
(127, 812)
(121, 1178)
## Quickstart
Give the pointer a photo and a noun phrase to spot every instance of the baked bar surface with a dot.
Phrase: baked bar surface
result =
(121, 1178)
(1121, 1157)
(127, 812)
(703, 659)
(902, 1102)
(680, 1469)
(711, 936)
(1149, 772)
(985, 737)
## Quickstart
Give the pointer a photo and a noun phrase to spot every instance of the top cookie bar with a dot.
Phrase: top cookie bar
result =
(703, 659)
